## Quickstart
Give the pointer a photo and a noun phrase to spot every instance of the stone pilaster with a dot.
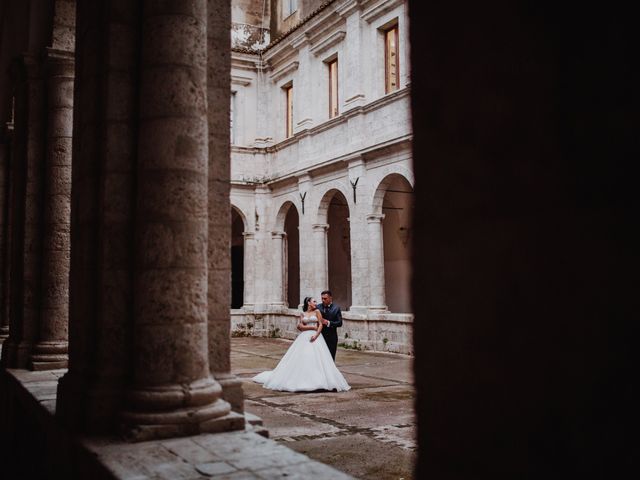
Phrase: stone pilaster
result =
(219, 231)
(51, 349)
(278, 268)
(173, 392)
(376, 262)
(320, 256)
(249, 269)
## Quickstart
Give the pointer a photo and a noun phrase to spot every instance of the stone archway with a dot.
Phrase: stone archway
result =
(292, 257)
(338, 247)
(237, 259)
(397, 208)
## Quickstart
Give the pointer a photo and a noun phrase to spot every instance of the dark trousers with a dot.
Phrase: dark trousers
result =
(331, 337)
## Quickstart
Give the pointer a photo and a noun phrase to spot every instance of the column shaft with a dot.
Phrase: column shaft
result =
(173, 392)
(321, 257)
(249, 269)
(278, 267)
(219, 229)
(51, 350)
(26, 203)
(376, 262)
(102, 201)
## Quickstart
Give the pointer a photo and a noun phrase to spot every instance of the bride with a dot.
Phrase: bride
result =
(307, 365)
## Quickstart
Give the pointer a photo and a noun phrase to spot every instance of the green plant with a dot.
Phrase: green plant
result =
(274, 332)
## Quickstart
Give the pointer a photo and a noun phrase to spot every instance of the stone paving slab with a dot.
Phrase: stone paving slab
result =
(360, 456)
(344, 430)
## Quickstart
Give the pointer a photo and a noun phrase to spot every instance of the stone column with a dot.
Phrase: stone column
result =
(173, 392)
(26, 213)
(90, 395)
(51, 349)
(376, 262)
(249, 269)
(277, 268)
(321, 258)
(219, 264)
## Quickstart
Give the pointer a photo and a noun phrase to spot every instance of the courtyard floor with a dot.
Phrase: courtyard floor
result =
(367, 432)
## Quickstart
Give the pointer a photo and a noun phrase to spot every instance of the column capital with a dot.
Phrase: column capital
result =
(278, 234)
(375, 217)
(249, 235)
(320, 227)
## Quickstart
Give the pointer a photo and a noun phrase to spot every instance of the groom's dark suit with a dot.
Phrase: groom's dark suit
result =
(333, 314)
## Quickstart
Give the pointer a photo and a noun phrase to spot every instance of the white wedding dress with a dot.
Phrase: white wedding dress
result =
(305, 367)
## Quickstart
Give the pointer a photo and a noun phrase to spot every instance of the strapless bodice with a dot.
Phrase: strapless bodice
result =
(309, 320)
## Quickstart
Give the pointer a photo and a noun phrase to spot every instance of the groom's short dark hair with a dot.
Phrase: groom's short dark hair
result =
(326, 292)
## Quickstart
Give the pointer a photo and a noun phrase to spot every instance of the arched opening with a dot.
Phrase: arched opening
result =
(339, 250)
(292, 257)
(237, 260)
(397, 207)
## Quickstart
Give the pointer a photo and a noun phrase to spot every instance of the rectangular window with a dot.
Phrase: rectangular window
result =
(333, 88)
(289, 110)
(289, 7)
(391, 62)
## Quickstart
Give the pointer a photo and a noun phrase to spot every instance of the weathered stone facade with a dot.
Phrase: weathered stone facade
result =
(347, 180)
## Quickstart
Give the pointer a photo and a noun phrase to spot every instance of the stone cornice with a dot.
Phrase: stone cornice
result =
(328, 42)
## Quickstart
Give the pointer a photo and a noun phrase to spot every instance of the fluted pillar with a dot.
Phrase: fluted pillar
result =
(173, 392)
(277, 268)
(376, 262)
(321, 265)
(50, 350)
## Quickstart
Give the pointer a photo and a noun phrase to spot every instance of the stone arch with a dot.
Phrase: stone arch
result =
(333, 217)
(238, 228)
(388, 176)
(327, 197)
(288, 221)
(393, 206)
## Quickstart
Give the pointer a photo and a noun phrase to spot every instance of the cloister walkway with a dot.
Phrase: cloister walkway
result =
(368, 432)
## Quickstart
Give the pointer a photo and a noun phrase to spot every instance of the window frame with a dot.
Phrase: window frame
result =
(334, 96)
(288, 115)
(395, 30)
(291, 8)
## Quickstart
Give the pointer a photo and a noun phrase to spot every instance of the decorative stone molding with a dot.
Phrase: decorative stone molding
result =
(329, 42)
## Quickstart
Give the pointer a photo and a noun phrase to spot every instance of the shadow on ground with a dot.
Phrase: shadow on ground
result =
(367, 432)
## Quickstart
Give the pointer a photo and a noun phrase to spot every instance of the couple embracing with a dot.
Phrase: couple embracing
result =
(309, 364)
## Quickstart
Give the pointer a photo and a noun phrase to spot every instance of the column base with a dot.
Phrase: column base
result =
(4, 333)
(16, 355)
(49, 355)
(379, 309)
(178, 410)
(140, 427)
(231, 390)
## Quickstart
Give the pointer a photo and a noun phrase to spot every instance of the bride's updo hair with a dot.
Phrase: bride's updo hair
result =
(305, 306)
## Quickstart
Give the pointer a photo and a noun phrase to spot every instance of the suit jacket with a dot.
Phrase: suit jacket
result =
(334, 315)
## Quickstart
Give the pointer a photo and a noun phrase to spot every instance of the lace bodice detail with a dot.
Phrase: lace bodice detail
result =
(310, 319)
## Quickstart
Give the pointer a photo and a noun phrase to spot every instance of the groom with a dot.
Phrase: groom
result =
(332, 319)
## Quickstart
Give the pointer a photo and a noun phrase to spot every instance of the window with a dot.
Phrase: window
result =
(289, 110)
(289, 7)
(333, 88)
(391, 63)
